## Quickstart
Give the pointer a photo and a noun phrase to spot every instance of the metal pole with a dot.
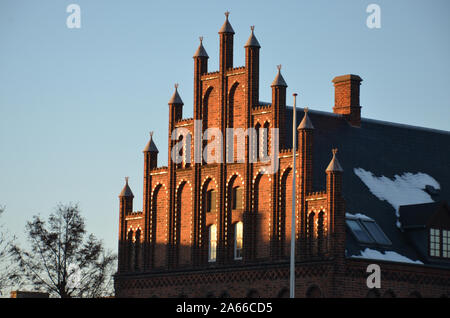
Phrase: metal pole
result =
(293, 223)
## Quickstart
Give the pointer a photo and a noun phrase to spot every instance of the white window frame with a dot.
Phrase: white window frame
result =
(446, 243)
(435, 242)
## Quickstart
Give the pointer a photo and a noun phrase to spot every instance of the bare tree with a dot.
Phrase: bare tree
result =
(8, 268)
(64, 260)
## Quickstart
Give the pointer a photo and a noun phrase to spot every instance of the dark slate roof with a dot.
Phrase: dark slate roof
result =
(383, 148)
(417, 215)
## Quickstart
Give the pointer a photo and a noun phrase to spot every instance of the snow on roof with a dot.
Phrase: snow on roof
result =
(405, 189)
(386, 256)
(358, 216)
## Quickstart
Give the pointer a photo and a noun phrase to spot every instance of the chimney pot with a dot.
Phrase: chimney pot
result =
(346, 98)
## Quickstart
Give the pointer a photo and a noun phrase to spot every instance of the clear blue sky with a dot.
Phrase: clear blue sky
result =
(76, 105)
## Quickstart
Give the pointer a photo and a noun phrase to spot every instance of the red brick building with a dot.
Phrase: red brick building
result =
(223, 229)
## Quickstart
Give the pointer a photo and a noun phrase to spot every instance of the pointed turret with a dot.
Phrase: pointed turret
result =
(125, 208)
(150, 154)
(126, 191)
(279, 80)
(252, 48)
(200, 68)
(226, 34)
(252, 41)
(336, 209)
(305, 142)
(306, 122)
(201, 52)
(334, 165)
(151, 147)
(279, 104)
(176, 107)
(226, 27)
(175, 99)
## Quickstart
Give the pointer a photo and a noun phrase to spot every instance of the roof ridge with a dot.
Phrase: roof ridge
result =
(377, 121)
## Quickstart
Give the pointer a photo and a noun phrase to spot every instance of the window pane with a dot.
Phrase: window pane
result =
(212, 243)
(435, 239)
(446, 243)
(376, 232)
(238, 198)
(213, 201)
(360, 234)
(208, 201)
(234, 199)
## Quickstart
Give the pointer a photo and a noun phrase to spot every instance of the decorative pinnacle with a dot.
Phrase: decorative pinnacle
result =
(227, 14)
(295, 94)
(176, 86)
(252, 27)
(306, 110)
(334, 150)
(151, 134)
(334, 165)
(126, 180)
(279, 67)
(201, 39)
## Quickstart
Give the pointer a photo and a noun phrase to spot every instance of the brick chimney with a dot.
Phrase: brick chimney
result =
(346, 98)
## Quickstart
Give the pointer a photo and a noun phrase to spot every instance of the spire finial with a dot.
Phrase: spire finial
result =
(226, 27)
(334, 165)
(151, 134)
(175, 99)
(279, 80)
(252, 27)
(334, 150)
(201, 39)
(306, 110)
(126, 180)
